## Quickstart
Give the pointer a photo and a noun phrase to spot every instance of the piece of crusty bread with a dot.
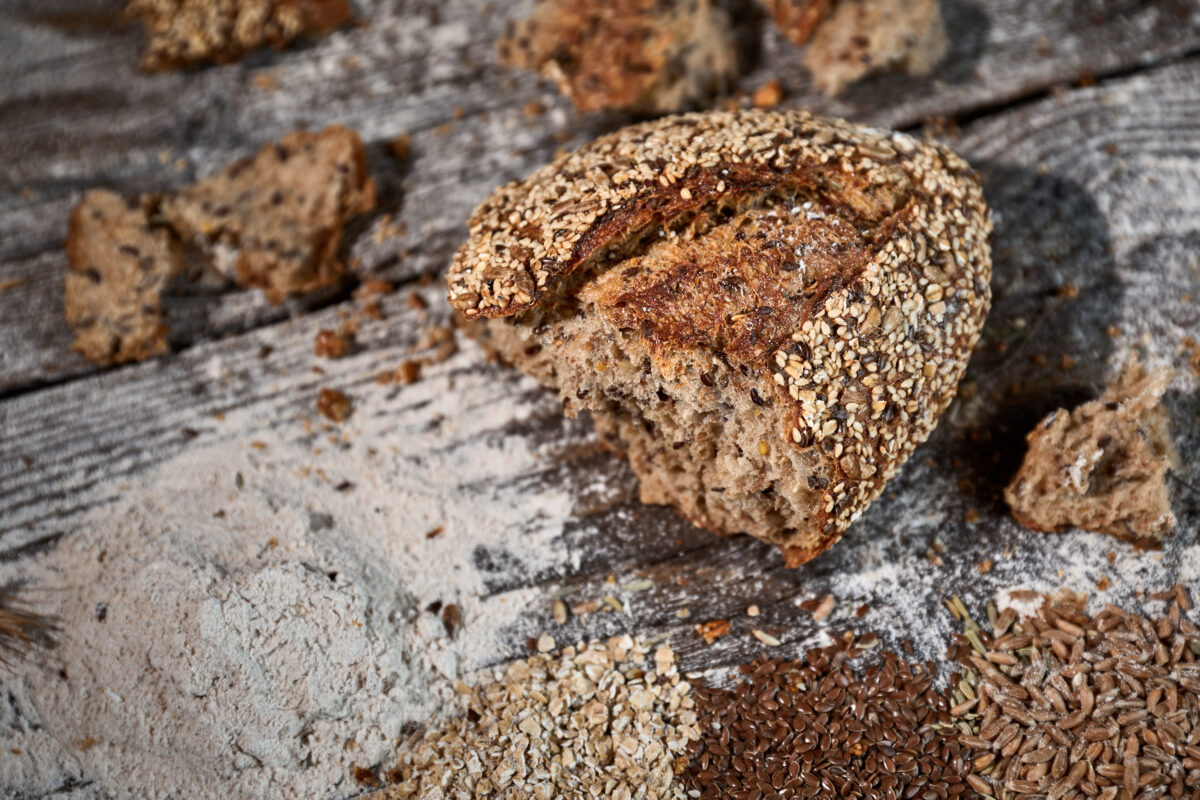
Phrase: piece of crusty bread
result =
(120, 265)
(645, 56)
(797, 19)
(1101, 467)
(188, 32)
(766, 311)
(275, 220)
(865, 36)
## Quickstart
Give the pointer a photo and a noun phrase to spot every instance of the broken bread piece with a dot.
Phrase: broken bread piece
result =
(187, 32)
(1101, 467)
(797, 19)
(765, 311)
(120, 265)
(275, 220)
(864, 36)
(644, 56)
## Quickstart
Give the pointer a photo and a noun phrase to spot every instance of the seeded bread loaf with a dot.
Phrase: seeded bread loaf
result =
(1103, 466)
(645, 56)
(765, 311)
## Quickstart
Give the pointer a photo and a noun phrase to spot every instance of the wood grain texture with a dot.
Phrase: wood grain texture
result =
(75, 113)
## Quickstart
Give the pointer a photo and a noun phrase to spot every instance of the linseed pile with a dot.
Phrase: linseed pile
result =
(599, 720)
(820, 728)
(1065, 705)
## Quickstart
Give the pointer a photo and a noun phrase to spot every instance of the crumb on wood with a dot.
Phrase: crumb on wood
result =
(365, 776)
(408, 372)
(373, 287)
(332, 344)
(333, 405)
(713, 629)
(768, 95)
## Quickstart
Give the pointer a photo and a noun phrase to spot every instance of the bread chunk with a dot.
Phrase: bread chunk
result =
(119, 267)
(275, 220)
(797, 19)
(1101, 467)
(865, 36)
(764, 311)
(644, 56)
(187, 32)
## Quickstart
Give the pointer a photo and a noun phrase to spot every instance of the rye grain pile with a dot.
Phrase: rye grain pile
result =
(1066, 706)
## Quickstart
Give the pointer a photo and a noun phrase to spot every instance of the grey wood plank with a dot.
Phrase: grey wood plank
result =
(75, 113)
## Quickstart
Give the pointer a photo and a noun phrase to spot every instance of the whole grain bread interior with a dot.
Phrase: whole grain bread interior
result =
(764, 311)
(1102, 467)
(645, 56)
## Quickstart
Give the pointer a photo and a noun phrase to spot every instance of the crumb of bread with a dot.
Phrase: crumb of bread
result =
(638, 55)
(332, 344)
(120, 265)
(865, 36)
(275, 220)
(768, 95)
(333, 405)
(189, 32)
(1101, 467)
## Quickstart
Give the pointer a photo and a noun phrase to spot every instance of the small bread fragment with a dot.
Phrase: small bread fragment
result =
(865, 36)
(797, 19)
(645, 56)
(188, 32)
(275, 220)
(1102, 467)
(765, 311)
(119, 267)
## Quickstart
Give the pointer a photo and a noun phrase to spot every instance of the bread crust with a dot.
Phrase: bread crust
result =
(188, 32)
(850, 318)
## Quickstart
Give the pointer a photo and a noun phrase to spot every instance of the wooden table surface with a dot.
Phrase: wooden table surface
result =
(1082, 116)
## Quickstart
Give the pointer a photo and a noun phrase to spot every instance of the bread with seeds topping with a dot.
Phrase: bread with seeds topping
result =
(766, 312)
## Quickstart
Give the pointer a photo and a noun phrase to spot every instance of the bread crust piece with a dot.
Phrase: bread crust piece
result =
(797, 19)
(647, 56)
(864, 36)
(1101, 467)
(188, 32)
(275, 220)
(119, 268)
(766, 311)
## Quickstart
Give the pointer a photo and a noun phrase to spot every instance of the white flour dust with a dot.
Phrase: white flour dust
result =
(243, 623)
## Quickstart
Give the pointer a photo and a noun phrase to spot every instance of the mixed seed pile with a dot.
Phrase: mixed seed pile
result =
(598, 721)
(1065, 706)
(820, 728)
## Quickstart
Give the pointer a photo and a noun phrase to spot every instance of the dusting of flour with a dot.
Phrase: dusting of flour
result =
(256, 617)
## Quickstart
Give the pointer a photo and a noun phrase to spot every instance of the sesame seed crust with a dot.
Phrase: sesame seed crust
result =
(870, 354)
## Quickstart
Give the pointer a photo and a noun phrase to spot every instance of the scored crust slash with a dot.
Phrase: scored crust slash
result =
(766, 312)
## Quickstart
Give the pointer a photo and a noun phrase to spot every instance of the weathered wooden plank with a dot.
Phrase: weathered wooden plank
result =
(1115, 225)
(74, 113)
(1088, 192)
